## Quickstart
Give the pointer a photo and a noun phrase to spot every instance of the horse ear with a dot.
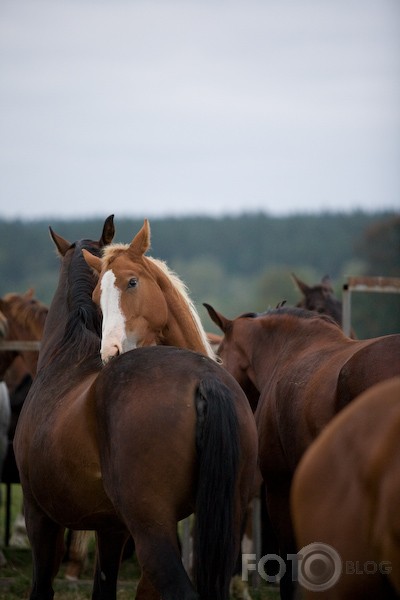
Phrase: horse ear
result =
(141, 242)
(108, 233)
(326, 283)
(62, 245)
(29, 293)
(303, 287)
(94, 262)
(222, 322)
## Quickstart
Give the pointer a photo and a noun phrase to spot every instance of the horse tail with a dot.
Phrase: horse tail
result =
(217, 440)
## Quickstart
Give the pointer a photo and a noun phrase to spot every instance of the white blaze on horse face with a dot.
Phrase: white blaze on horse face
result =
(113, 340)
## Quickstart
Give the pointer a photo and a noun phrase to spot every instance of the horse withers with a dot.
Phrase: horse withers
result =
(345, 501)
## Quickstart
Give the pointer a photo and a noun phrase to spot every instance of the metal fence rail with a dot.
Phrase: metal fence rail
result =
(382, 285)
(14, 345)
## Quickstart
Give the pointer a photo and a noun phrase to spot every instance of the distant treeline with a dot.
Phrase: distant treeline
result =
(238, 263)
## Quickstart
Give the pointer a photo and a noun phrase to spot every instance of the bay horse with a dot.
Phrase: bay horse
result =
(346, 493)
(26, 317)
(154, 435)
(298, 370)
(142, 301)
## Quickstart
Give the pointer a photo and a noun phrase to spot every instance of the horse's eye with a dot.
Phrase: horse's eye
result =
(132, 282)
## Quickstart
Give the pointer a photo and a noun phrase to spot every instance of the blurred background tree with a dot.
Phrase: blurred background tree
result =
(237, 264)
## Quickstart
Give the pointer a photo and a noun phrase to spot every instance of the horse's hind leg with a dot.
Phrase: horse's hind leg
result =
(163, 574)
(110, 546)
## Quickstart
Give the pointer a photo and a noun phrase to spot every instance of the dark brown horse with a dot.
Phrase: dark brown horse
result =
(321, 298)
(298, 370)
(26, 317)
(346, 494)
(155, 435)
(144, 303)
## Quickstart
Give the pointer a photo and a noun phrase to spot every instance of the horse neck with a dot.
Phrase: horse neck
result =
(183, 328)
(278, 341)
(334, 309)
(59, 337)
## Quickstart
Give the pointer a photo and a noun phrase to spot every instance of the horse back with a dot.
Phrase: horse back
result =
(372, 363)
(297, 403)
(148, 424)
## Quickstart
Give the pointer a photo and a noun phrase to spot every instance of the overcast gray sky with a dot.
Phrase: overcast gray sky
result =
(155, 108)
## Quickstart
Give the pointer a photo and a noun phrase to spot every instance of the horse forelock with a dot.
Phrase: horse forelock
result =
(111, 252)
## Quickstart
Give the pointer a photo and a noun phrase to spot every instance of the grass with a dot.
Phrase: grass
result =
(15, 576)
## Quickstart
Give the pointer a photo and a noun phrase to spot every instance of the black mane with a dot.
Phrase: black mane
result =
(83, 328)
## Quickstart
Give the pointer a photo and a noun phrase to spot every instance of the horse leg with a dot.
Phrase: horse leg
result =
(162, 568)
(146, 590)
(110, 546)
(239, 588)
(278, 500)
(77, 554)
(47, 542)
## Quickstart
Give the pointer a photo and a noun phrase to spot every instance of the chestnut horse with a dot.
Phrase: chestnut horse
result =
(3, 326)
(25, 317)
(298, 370)
(142, 301)
(346, 493)
(155, 435)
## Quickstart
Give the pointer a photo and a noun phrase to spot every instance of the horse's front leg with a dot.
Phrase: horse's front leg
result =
(47, 542)
(110, 546)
